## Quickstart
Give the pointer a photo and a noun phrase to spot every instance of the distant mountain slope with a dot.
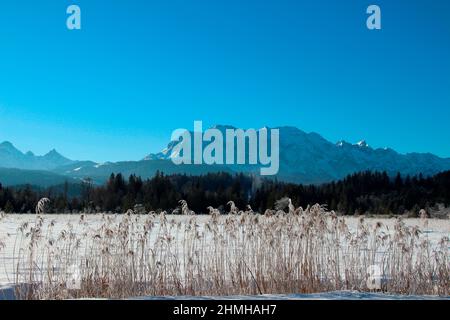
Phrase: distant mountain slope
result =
(14, 177)
(309, 158)
(145, 169)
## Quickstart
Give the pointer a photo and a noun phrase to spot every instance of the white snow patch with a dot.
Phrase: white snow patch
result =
(362, 144)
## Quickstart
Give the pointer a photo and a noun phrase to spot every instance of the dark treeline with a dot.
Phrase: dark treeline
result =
(365, 192)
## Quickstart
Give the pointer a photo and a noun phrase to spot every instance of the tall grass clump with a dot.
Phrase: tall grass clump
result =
(242, 253)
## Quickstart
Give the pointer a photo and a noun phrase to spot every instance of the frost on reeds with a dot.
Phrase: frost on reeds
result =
(241, 253)
(41, 205)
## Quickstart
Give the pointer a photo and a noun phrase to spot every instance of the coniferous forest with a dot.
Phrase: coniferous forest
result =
(360, 193)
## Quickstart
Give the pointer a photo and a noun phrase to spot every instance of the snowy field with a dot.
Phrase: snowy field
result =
(7, 293)
(13, 244)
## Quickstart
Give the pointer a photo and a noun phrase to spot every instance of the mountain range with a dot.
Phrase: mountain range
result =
(304, 158)
(11, 157)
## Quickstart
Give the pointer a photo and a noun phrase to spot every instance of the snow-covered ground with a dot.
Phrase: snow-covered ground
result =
(8, 293)
(10, 246)
(335, 295)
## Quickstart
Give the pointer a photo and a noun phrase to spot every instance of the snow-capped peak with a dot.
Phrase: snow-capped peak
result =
(362, 144)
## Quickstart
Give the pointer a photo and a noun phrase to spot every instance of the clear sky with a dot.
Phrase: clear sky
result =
(137, 70)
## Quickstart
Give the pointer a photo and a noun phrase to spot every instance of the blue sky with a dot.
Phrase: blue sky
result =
(137, 70)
